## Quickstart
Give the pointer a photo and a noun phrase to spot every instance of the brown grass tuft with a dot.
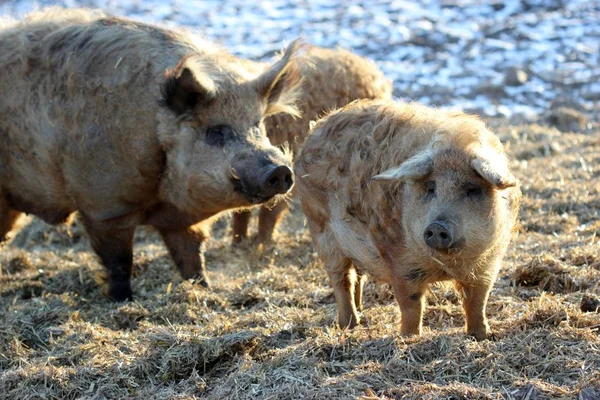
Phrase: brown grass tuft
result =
(17, 264)
(267, 328)
(547, 274)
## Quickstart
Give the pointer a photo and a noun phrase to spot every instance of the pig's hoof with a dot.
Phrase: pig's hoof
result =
(483, 336)
(363, 321)
(202, 282)
(348, 323)
(120, 291)
(238, 241)
(411, 334)
(265, 241)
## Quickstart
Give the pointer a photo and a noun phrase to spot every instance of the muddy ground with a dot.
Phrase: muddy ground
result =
(267, 328)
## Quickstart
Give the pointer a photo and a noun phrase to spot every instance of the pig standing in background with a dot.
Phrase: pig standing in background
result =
(332, 79)
(132, 124)
(411, 196)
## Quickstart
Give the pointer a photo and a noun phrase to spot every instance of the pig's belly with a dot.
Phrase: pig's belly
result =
(358, 245)
(48, 208)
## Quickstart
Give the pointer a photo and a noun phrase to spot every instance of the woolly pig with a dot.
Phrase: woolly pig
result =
(411, 196)
(132, 124)
(332, 78)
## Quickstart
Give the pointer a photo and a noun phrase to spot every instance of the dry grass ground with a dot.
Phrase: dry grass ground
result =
(267, 329)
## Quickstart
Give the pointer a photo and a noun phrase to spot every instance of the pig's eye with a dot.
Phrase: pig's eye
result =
(475, 193)
(216, 135)
(430, 190)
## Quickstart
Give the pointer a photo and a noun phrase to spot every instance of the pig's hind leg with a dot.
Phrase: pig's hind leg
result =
(269, 219)
(339, 268)
(114, 246)
(187, 249)
(358, 290)
(343, 279)
(239, 225)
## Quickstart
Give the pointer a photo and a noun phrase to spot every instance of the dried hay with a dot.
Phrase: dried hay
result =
(267, 328)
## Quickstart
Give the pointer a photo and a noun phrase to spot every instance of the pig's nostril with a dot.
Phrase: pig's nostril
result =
(274, 182)
(278, 181)
(438, 236)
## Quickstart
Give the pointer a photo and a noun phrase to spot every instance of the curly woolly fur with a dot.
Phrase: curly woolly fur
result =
(331, 79)
(107, 116)
(378, 226)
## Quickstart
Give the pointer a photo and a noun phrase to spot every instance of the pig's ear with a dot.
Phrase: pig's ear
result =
(414, 168)
(279, 85)
(496, 173)
(187, 87)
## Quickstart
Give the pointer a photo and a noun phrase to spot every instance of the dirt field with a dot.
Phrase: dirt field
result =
(267, 328)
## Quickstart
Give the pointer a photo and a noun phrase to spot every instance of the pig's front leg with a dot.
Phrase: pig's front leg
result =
(475, 297)
(186, 246)
(410, 299)
(114, 246)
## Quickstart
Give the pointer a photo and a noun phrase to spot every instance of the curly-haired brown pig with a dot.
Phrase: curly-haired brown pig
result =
(132, 124)
(332, 79)
(411, 196)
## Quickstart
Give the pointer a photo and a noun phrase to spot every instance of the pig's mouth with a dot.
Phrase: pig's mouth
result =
(273, 183)
(256, 199)
(251, 196)
(441, 237)
(454, 249)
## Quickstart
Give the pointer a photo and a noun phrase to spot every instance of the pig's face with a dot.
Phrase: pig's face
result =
(220, 157)
(453, 209)
(454, 202)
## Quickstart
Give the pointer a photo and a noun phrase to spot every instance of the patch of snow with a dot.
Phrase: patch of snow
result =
(440, 52)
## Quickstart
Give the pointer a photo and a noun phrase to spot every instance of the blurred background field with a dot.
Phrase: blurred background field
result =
(267, 329)
(500, 58)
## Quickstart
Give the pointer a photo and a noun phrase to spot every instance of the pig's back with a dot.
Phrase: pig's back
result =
(334, 170)
(351, 145)
(78, 111)
(332, 79)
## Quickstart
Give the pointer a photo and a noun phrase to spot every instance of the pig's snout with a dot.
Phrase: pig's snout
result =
(260, 184)
(277, 181)
(438, 236)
